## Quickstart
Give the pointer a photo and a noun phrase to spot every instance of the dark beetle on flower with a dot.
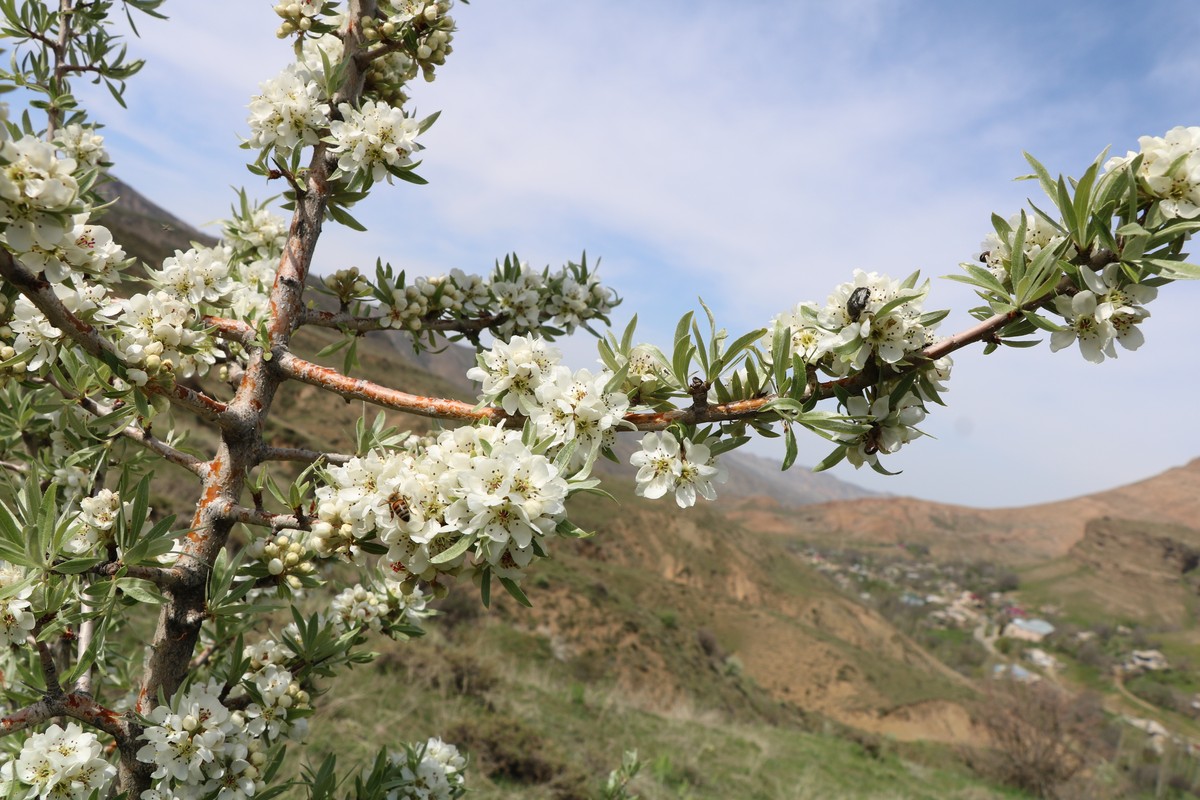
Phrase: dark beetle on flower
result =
(857, 302)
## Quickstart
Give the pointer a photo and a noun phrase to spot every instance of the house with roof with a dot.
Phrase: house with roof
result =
(1027, 629)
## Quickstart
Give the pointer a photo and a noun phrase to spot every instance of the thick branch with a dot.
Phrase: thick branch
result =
(75, 705)
(359, 389)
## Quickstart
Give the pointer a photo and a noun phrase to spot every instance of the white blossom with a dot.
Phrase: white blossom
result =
(290, 112)
(372, 138)
(1170, 170)
(61, 763)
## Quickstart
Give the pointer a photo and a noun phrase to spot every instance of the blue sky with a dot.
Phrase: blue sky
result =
(752, 154)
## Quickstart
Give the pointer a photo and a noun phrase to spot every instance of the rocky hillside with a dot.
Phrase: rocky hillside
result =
(1010, 535)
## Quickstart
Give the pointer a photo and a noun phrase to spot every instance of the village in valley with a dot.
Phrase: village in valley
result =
(971, 616)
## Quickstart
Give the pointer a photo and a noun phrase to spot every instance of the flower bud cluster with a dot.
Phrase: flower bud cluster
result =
(347, 285)
(422, 29)
(286, 556)
(297, 16)
(1108, 311)
(1169, 171)
(686, 468)
(481, 484)
(524, 376)
(432, 771)
(63, 763)
(514, 301)
(16, 614)
(377, 609)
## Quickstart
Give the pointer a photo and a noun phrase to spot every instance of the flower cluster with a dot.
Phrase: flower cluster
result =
(431, 771)
(369, 140)
(83, 145)
(16, 615)
(687, 468)
(63, 763)
(1040, 234)
(198, 746)
(1169, 170)
(479, 492)
(891, 426)
(1108, 311)
(37, 191)
(157, 332)
(97, 522)
(292, 111)
(198, 276)
(524, 376)
(864, 319)
(872, 316)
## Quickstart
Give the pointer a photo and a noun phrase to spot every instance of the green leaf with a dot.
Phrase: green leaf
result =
(140, 590)
(75, 566)
(1176, 270)
(1048, 184)
(485, 588)
(1083, 205)
(453, 551)
(791, 450)
(831, 460)
(516, 592)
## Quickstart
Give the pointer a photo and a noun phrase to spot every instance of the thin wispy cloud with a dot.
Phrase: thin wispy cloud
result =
(754, 154)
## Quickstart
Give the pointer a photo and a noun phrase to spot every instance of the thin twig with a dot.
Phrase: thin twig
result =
(301, 454)
(263, 519)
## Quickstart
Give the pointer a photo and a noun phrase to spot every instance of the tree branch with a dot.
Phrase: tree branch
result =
(263, 519)
(135, 433)
(358, 389)
(301, 454)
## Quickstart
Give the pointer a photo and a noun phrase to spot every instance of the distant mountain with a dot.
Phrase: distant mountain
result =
(1135, 570)
(1009, 535)
(146, 230)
